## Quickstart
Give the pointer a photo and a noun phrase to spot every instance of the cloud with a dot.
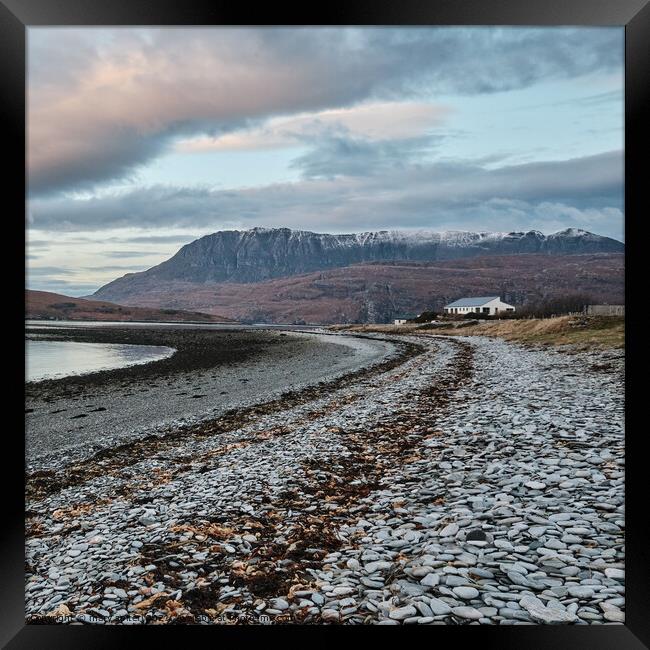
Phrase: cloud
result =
(91, 238)
(102, 102)
(114, 268)
(39, 244)
(452, 194)
(127, 254)
(156, 239)
(342, 156)
(371, 121)
(47, 271)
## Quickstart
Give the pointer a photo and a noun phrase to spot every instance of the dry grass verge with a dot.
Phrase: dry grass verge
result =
(579, 332)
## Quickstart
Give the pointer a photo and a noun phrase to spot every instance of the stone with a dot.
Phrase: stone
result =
(518, 578)
(449, 530)
(147, 520)
(342, 591)
(466, 593)
(421, 571)
(580, 591)
(330, 616)
(430, 580)
(467, 612)
(503, 544)
(439, 607)
(424, 609)
(372, 567)
(279, 603)
(476, 535)
(402, 612)
(539, 612)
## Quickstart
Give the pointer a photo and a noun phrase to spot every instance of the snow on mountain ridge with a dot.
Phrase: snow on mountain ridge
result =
(407, 235)
(361, 238)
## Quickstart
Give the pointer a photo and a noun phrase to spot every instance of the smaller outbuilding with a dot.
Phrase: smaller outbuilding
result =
(400, 319)
(605, 310)
(489, 305)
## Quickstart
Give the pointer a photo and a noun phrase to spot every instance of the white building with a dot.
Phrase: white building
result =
(490, 305)
(605, 310)
(401, 319)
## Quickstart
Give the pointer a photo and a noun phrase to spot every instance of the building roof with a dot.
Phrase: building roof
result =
(472, 302)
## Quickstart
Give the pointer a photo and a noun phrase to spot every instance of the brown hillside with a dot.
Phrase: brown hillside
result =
(46, 305)
(376, 292)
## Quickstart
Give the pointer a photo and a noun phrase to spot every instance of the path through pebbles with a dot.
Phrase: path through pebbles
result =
(473, 482)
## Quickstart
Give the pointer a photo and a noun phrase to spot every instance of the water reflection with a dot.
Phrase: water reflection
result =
(54, 359)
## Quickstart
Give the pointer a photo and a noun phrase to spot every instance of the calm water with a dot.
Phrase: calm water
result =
(53, 359)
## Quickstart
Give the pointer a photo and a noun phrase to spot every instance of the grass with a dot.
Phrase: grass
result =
(579, 332)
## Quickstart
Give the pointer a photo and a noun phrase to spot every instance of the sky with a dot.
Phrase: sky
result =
(141, 140)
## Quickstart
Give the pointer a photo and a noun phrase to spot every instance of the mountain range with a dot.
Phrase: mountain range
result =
(283, 275)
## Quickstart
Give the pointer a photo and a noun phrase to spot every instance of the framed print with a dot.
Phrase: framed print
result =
(325, 321)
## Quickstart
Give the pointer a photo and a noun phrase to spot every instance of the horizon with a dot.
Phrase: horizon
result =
(325, 130)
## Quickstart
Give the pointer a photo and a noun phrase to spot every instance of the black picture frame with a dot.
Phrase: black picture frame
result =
(17, 15)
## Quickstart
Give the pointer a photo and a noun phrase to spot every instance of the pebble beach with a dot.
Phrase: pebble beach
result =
(405, 480)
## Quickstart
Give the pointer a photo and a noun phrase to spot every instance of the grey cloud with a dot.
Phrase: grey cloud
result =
(453, 195)
(345, 156)
(47, 244)
(114, 156)
(38, 243)
(160, 239)
(589, 180)
(47, 271)
(599, 99)
(102, 102)
(485, 60)
(126, 254)
(116, 268)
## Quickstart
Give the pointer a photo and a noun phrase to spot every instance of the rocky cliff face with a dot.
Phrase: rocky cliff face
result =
(264, 254)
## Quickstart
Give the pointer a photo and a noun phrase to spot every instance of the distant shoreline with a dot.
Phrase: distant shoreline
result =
(120, 322)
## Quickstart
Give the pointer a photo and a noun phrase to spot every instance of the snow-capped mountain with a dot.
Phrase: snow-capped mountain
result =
(266, 253)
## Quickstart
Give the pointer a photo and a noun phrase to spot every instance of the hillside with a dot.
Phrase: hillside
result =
(375, 292)
(46, 305)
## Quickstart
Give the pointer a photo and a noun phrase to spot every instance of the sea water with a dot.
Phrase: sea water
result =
(54, 359)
